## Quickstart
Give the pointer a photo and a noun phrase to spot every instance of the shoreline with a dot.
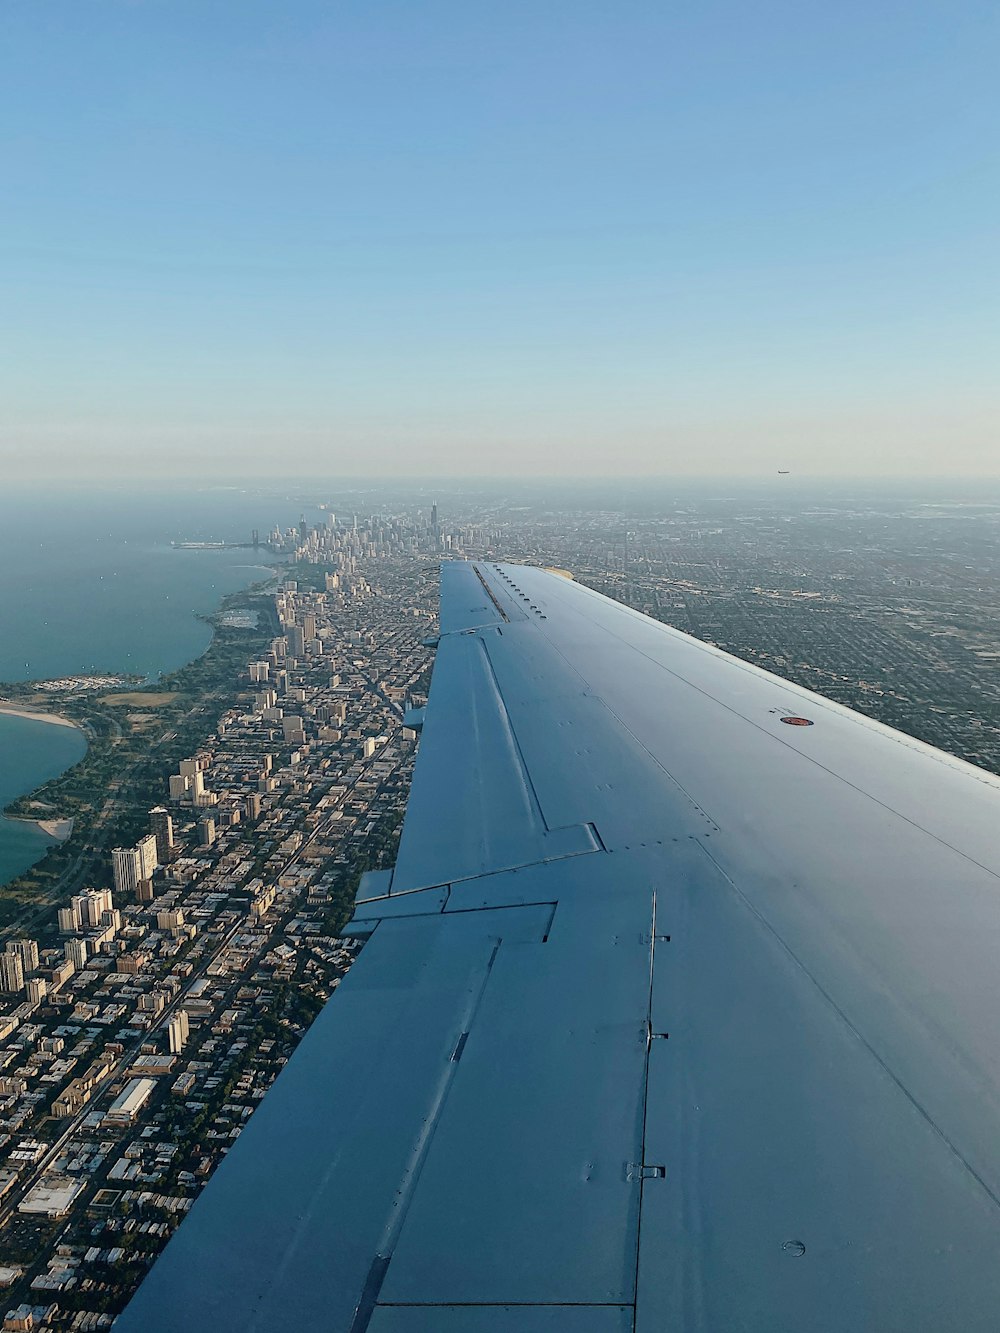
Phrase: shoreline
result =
(58, 826)
(59, 830)
(34, 715)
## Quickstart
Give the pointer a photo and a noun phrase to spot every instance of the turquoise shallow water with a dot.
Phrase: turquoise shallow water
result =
(89, 582)
(30, 753)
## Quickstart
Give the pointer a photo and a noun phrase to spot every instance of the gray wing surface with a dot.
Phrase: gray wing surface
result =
(670, 1016)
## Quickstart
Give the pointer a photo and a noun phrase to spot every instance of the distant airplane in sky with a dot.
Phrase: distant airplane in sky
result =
(783, 471)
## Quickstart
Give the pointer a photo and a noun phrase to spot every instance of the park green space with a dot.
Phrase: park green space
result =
(136, 738)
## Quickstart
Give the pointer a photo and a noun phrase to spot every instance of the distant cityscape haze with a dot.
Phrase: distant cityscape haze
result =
(499, 239)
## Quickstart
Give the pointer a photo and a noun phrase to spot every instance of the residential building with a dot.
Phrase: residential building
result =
(177, 1031)
(163, 831)
(76, 952)
(27, 950)
(11, 973)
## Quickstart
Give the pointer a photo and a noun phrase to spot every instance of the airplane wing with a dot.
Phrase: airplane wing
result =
(680, 1010)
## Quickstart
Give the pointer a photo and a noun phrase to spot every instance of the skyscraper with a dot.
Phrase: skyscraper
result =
(69, 918)
(91, 906)
(146, 850)
(125, 866)
(177, 1031)
(76, 952)
(131, 864)
(163, 831)
(27, 951)
(11, 973)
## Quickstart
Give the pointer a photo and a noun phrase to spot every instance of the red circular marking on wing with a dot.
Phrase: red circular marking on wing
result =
(798, 721)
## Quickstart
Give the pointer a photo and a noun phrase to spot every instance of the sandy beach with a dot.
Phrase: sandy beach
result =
(59, 829)
(16, 710)
(56, 828)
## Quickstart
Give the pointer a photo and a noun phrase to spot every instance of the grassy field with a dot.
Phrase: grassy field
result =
(139, 699)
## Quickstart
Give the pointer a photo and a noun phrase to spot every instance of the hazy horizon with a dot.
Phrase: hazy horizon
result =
(499, 241)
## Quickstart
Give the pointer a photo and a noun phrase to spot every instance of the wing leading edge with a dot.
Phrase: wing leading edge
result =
(670, 1015)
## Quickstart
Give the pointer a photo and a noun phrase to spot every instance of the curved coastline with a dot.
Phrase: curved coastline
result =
(58, 830)
(52, 826)
(17, 854)
(36, 715)
(25, 840)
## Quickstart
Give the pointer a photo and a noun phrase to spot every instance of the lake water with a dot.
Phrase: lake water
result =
(30, 753)
(90, 583)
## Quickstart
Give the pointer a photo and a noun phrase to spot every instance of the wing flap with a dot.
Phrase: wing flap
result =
(529, 1193)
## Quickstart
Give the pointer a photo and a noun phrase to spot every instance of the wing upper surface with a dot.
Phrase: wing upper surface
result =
(671, 1015)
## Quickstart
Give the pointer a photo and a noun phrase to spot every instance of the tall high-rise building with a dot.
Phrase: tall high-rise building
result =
(309, 626)
(76, 952)
(69, 919)
(88, 907)
(131, 864)
(296, 641)
(146, 848)
(27, 951)
(177, 1030)
(125, 865)
(163, 831)
(11, 973)
(112, 918)
(292, 730)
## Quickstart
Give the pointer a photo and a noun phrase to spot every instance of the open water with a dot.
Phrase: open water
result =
(90, 583)
(30, 753)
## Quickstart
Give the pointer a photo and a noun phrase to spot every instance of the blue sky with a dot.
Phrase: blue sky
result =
(499, 237)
